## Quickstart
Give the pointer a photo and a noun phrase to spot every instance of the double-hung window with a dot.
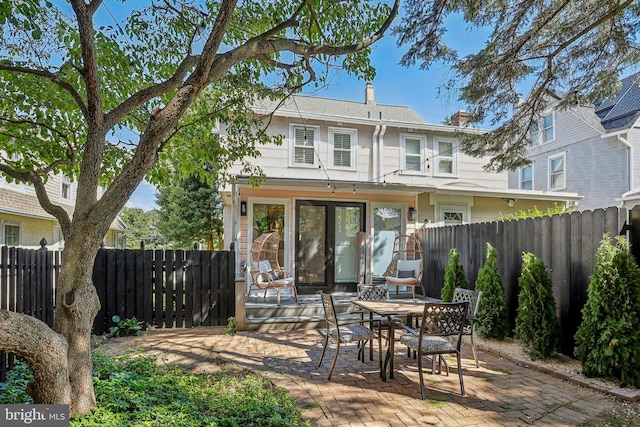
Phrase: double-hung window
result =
(65, 187)
(557, 172)
(305, 140)
(446, 157)
(534, 133)
(342, 148)
(412, 153)
(11, 233)
(526, 177)
(548, 133)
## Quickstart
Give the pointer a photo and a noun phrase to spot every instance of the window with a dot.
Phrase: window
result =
(452, 214)
(557, 175)
(547, 128)
(526, 178)
(11, 234)
(304, 145)
(342, 150)
(65, 187)
(534, 132)
(445, 159)
(412, 154)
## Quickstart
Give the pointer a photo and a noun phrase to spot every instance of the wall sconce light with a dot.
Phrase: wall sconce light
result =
(413, 214)
(243, 208)
(511, 202)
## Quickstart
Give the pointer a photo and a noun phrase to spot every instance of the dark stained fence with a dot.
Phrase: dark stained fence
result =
(165, 289)
(27, 280)
(566, 243)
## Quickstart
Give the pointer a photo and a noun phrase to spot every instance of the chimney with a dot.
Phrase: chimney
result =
(368, 95)
(460, 119)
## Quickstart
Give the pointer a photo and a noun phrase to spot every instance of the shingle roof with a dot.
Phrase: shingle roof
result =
(305, 105)
(622, 111)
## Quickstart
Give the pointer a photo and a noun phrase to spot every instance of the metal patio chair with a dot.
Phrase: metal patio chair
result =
(473, 298)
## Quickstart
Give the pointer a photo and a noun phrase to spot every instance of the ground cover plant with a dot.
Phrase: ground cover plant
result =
(135, 391)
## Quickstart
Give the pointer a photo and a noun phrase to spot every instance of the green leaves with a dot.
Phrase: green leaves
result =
(453, 277)
(537, 324)
(608, 340)
(492, 314)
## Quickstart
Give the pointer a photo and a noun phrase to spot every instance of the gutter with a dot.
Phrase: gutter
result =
(626, 143)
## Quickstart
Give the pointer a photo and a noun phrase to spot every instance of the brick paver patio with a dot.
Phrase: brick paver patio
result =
(499, 393)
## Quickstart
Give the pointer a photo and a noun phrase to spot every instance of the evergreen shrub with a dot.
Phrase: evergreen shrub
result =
(492, 314)
(608, 339)
(537, 325)
(453, 277)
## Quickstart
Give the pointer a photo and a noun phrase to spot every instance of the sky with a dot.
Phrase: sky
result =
(394, 85)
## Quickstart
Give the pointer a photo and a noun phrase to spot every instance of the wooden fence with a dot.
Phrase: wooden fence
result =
(27, 279)
(566, 243)
(164, 289)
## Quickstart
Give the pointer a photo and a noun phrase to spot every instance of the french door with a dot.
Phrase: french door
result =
(327, 243)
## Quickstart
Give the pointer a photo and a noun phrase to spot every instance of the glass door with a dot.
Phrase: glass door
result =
(327, 245)
(387, 225)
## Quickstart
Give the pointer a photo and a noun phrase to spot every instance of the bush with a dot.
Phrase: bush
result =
(453, 277)
(492, 314)
(537, 325)
(608, 339)
(126, 327)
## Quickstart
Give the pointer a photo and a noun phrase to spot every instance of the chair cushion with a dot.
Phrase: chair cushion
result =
(273, 274)
(264, 266)
(429, 344)
(351, 333)
(284, 282)
(402, 274)
(401, 282)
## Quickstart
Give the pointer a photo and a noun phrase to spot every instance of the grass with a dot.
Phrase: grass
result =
(135, 391)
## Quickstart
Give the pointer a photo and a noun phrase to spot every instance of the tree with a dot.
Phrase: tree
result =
(537, 324)
(142, 227)
(608, 339)
(574, 49)
(453, 277)
(492, 313)
(190, 211)
(102, 104)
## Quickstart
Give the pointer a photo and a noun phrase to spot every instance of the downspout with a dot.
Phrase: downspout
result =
(374, 152)
(233, 216)
(381, 148)
(626, 143)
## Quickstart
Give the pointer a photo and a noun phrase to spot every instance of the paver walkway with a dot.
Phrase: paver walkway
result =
(499, 393)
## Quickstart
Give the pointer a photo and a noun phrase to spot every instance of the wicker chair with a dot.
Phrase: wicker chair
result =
(473, 298)
(266, 272)
(406, 264)
(440, 321)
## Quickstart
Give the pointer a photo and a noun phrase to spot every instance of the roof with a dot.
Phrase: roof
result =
(304, 106)
(623, 110)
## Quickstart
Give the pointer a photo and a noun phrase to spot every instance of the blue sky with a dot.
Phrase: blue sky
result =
(394, 85)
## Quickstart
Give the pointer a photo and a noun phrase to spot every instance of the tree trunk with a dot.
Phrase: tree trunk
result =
(77, 305)
(43, 350)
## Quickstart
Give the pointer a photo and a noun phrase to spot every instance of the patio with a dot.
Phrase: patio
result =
(499, 393)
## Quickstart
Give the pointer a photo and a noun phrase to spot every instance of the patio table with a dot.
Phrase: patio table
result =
(390, 309)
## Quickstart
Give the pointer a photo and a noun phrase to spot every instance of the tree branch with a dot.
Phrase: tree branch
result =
(54, 79)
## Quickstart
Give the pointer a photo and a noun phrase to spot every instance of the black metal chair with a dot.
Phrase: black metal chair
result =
(344, 331)
(440, 322)
(473, 298)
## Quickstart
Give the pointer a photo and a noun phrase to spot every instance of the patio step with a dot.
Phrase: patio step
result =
(263, 314)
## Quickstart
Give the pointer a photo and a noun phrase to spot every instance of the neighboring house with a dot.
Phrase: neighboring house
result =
(350, 176)
(24, 223)
(589, 150)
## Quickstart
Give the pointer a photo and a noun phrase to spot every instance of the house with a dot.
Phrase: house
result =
(24, 223)
(350, 176)
(588, 149)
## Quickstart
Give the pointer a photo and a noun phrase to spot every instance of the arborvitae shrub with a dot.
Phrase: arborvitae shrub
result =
(453, 277)
(492, 314)
(537, 325)
(608, 340)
